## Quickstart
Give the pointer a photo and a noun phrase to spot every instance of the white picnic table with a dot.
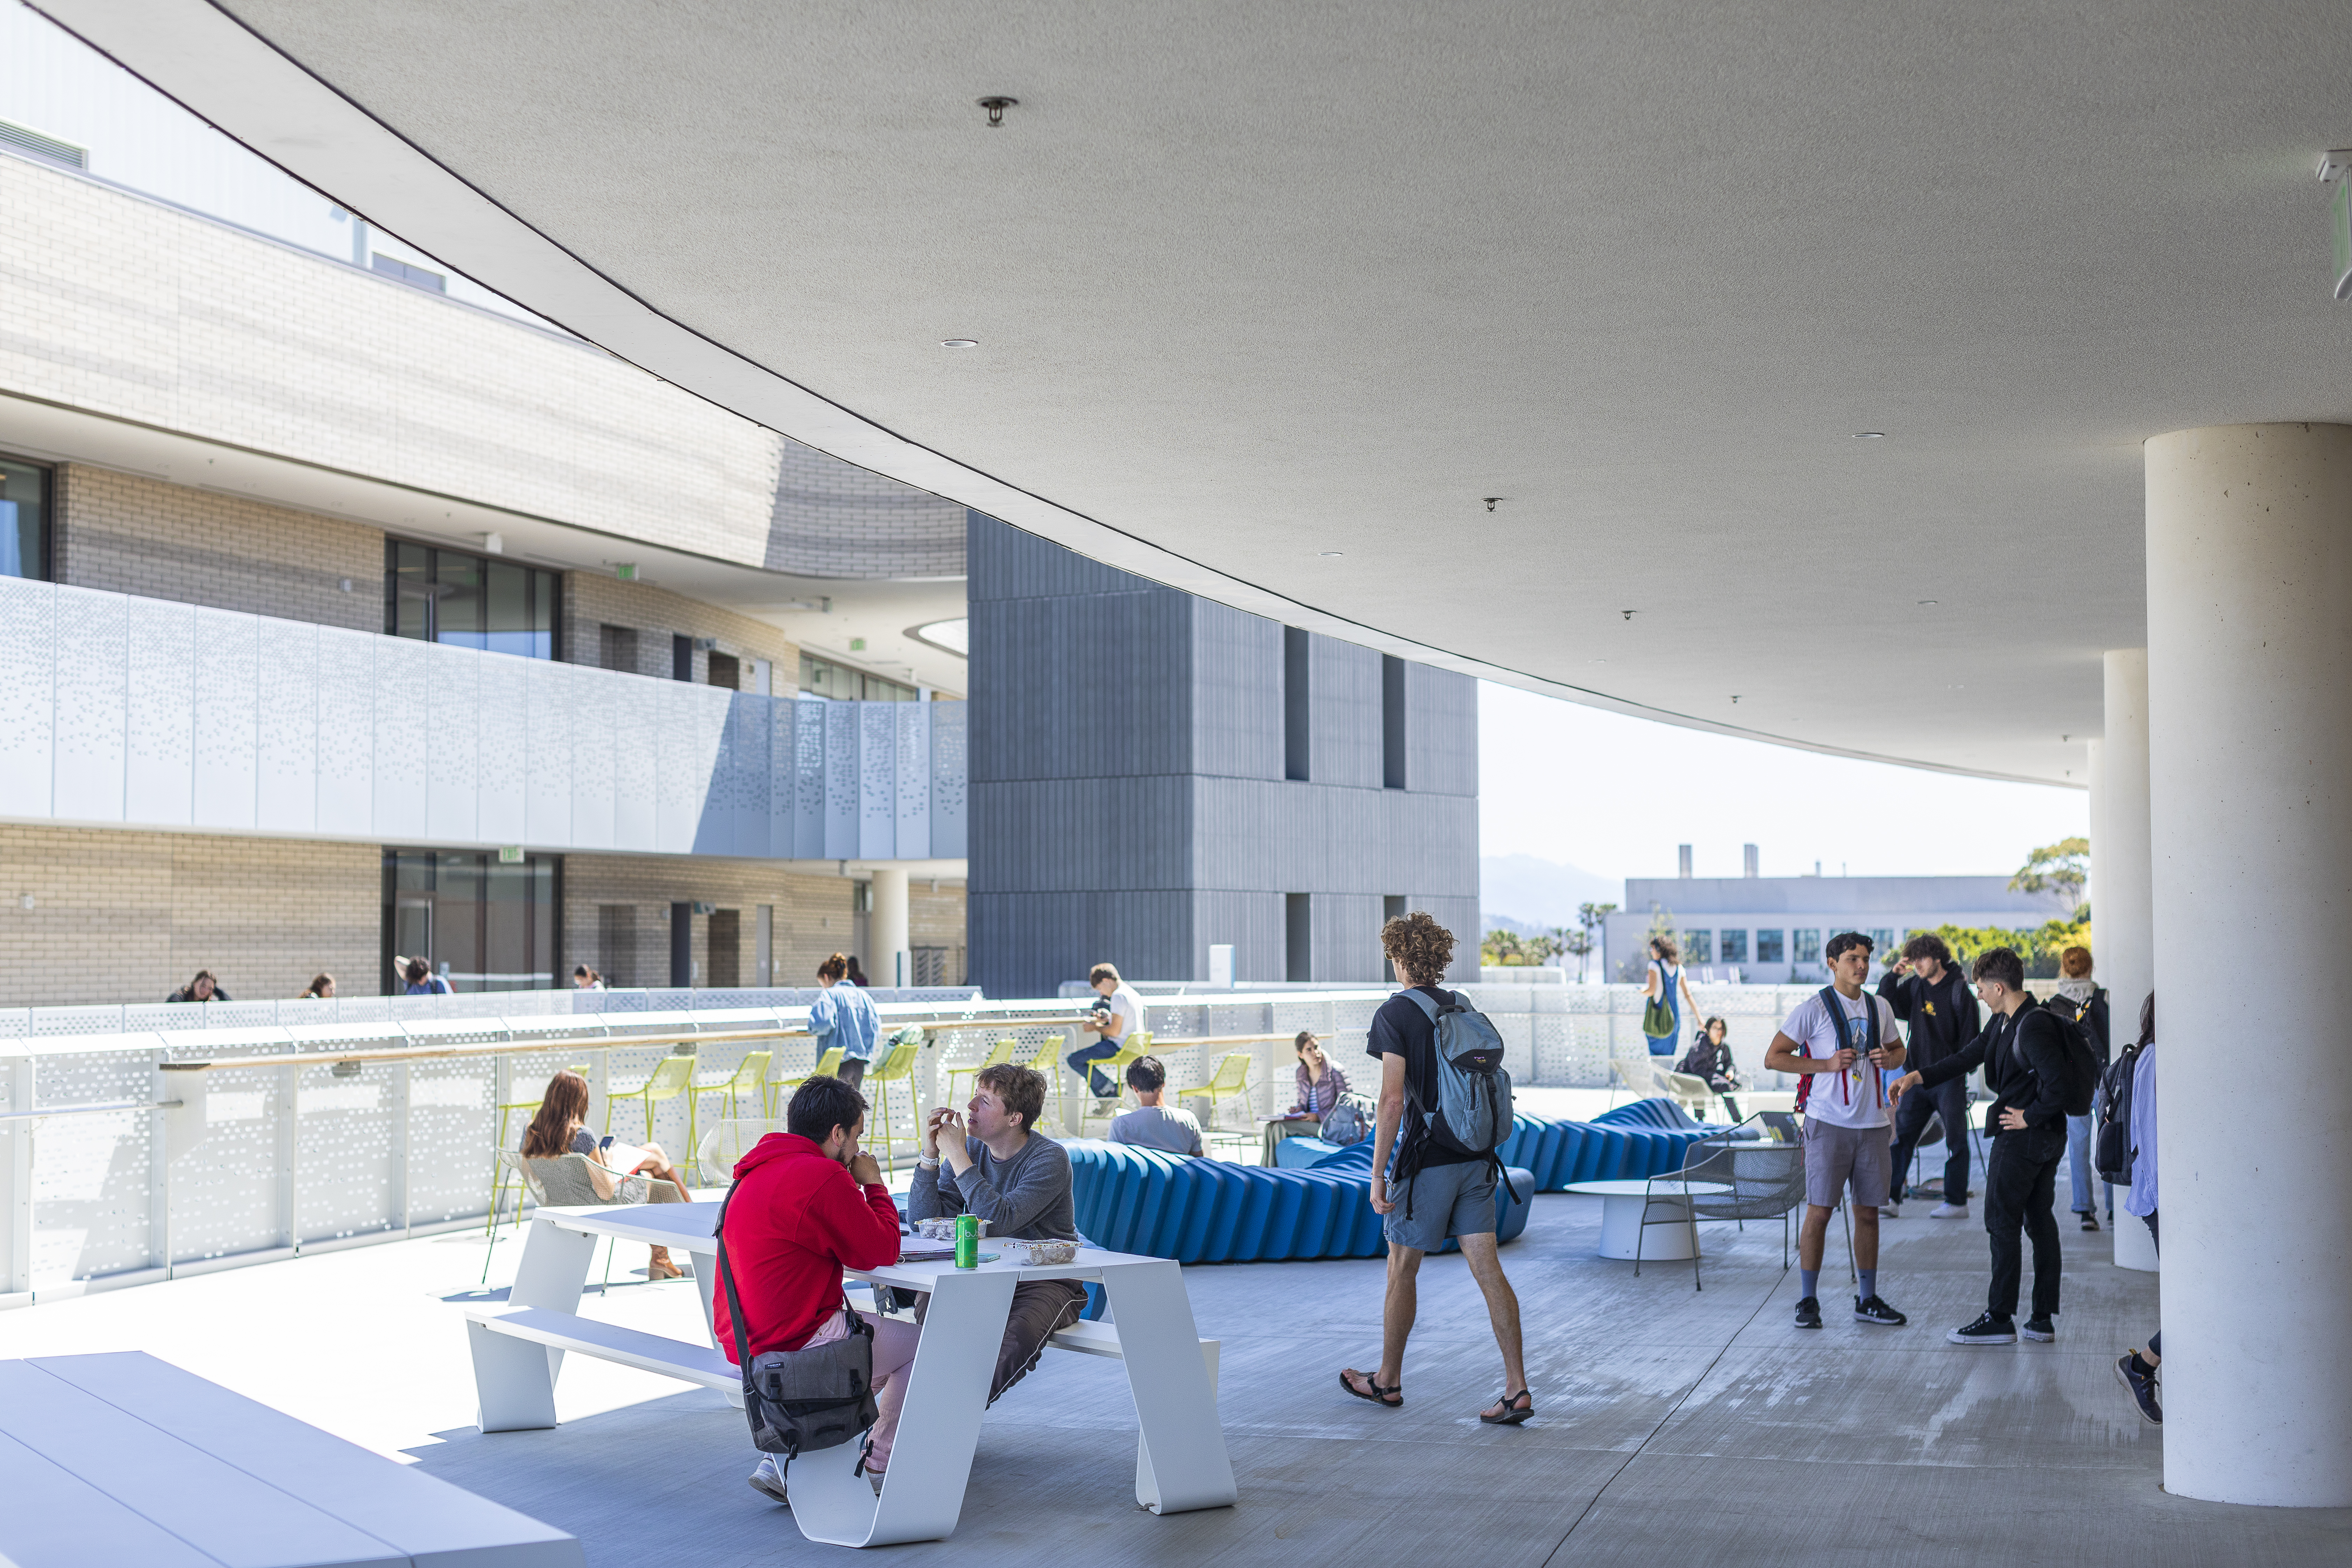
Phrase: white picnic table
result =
(1625, 1202)
(1181, 1458)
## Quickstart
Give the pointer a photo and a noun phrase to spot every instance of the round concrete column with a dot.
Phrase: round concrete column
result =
(2249, 771)
(891, 964)
(2122, 904)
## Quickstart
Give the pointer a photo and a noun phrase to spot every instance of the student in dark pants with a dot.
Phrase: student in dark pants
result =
(2024, 1058)
(1931, 995)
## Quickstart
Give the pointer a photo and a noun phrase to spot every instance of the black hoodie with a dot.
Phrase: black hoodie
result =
(1944, 1016)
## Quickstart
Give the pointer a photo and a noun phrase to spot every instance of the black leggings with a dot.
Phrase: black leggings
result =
(2156, 1339)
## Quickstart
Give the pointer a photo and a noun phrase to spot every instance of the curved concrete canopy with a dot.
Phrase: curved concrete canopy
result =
(1253, 284)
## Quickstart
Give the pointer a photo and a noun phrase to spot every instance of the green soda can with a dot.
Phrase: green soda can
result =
(967, 1241)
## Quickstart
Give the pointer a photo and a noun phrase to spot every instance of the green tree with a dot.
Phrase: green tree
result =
(2060, 869)
(1589, 917)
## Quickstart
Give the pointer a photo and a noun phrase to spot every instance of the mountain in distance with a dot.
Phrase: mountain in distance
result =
(1524, 893)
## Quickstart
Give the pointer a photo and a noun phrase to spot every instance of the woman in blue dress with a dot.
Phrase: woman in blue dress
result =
(1666, 981)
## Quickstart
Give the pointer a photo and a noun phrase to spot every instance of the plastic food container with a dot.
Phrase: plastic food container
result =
(1037, 1253)
(943, 1228)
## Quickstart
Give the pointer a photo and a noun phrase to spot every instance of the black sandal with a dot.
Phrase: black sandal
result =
(1513, 1414)
(1387, 1398)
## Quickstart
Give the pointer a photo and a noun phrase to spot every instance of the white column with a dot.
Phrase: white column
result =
(2250, 730)
(2123, 918)
(889, 964)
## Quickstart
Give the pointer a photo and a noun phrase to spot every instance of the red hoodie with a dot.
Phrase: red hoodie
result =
(796, 1220)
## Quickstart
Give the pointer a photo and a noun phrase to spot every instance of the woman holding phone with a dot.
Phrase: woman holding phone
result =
(561, 1127)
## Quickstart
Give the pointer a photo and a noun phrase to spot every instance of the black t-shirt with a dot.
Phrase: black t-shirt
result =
(1401, 1029)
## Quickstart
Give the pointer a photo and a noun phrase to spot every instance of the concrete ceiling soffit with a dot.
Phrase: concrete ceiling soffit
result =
(204, 58)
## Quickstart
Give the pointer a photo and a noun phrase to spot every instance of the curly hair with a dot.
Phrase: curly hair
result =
(1418, 946)
(1023, 1089)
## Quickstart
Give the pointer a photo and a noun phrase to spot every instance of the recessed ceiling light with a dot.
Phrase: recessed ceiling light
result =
(1327, 554)
(958, 342)
(1870, 435)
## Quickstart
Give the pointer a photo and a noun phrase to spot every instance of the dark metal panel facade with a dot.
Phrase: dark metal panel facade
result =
(1128, 797)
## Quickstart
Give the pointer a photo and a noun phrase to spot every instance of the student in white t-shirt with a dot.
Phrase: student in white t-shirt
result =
(1117, 1016)
(1841, 1040)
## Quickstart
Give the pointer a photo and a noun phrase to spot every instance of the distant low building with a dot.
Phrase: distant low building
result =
(1771, 929)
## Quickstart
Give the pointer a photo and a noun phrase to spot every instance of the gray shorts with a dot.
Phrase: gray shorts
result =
(1444, 1200)
(1836, 1157)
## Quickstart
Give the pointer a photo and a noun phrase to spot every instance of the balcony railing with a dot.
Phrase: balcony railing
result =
(136, 712)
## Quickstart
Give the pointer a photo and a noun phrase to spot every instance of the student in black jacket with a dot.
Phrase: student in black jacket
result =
(2023, 1056)
(1930, 993)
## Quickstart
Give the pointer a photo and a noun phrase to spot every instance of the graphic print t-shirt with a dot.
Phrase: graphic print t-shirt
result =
(1855, 1097)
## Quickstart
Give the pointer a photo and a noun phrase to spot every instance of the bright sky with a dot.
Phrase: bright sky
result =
(1563, 783)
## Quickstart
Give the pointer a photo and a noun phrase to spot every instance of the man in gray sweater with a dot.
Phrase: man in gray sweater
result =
(995, 1168)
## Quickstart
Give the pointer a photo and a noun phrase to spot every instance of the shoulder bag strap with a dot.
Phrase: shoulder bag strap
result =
(734, 1301)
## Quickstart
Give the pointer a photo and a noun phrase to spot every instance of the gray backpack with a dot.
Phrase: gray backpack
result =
(1473, 1113)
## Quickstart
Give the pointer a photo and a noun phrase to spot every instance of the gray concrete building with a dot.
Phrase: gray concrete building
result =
(1770, 930)
(1154, 773)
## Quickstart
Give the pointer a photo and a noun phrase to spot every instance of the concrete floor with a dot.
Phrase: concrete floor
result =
(1673, 1428)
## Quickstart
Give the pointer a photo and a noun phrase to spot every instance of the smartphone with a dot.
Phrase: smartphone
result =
(605, 1142)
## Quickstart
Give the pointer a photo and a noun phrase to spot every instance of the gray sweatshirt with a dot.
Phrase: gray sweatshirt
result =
(1027, 1195)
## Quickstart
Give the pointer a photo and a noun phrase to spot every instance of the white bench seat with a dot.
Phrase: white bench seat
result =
(610, 1341)
(120, 1457)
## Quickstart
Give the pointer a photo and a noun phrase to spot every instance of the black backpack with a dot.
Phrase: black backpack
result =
(2081, 1085)
(2111, 1145)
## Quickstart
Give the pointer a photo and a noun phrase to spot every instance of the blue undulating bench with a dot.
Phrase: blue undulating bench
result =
(1131, 1199)
(1648, 1138)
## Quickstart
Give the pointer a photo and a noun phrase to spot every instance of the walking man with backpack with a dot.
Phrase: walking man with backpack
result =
(1442, 1084)
(1842, 1041)
(1931, 995)
(2038, 1067)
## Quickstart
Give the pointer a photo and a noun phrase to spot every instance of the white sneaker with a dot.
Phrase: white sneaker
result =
(1890, 1211)
(1949, 1211)
(769, 1482)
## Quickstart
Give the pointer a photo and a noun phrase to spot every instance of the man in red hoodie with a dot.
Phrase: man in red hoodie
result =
(809, 1203)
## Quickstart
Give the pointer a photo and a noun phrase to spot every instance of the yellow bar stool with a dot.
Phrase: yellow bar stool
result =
(747, 1075)
(998, 1056)
(827, 1066)
(1229, 1081)
(529, 1108)
(671, 1078)
(897, 1068)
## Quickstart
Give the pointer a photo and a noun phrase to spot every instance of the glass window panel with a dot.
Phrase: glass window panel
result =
(1699, 947)
(507, 602)
(24, 520)
(1809, 946)
(1770, 947)
(457, 599)
(545, 585)
(457, 919)
(410, 610)
(1882, 946)
(1735, 947)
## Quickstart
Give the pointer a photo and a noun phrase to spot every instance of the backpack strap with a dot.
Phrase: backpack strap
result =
(1421, 999)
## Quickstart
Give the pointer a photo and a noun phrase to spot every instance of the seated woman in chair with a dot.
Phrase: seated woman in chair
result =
(560, 1129)
(1710, 1058)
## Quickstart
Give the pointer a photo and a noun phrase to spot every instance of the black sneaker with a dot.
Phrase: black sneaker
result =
(1874, 1311)
(1808, 1313)
(2139, 1379)
(2090, 1220)
(2040, 1329)
(1986, 1330)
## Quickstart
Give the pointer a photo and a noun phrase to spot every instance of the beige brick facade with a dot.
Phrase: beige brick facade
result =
(592, 601)
(127, 534)
(813, 916)
(129, 917)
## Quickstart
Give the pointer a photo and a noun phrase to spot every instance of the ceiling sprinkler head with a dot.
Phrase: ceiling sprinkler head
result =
(1492, 499)
(1627, 614)
(996, 108)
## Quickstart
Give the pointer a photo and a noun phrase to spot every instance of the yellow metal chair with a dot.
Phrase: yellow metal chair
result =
(747, 1075)
(998, 1054)
(672, 1077)
(1136, 1044)
(827, 1066)
(499, 1170)
(1229, 1081)
(896, 1067)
